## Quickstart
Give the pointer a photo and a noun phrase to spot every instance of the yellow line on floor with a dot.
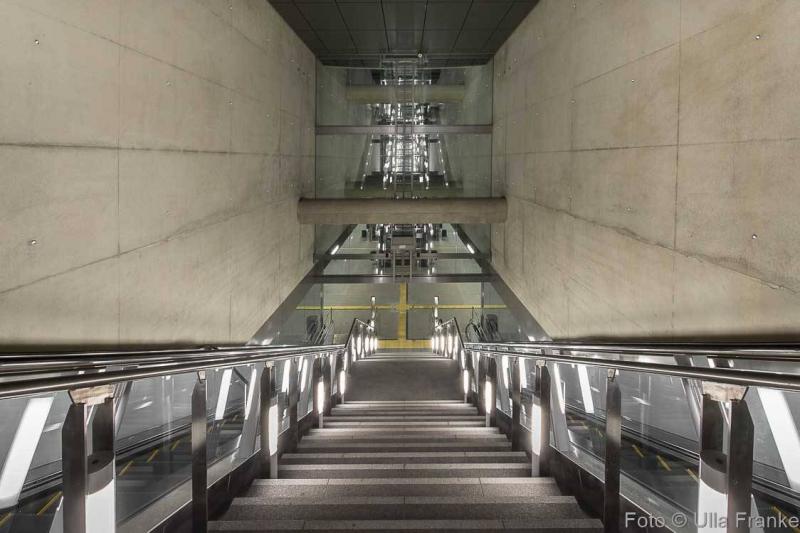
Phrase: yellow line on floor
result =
(637, 450)
(175, 444)
(152, 455)
(6, 517)
(692, 474)
(663, 463)
(49, 503)
(125, 469)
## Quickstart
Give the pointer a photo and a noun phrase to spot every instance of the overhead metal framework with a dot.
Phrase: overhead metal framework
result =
(359, 32)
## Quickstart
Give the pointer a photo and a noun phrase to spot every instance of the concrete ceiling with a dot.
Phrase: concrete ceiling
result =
(448, 32)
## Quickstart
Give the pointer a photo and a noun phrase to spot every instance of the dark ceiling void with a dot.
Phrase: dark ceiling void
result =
(359, 33)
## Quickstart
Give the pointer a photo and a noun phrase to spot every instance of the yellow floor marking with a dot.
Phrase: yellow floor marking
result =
(637, 450)
(175, 444)
(49, 503)
(125, 469)
(152, 455)
(584, 426)
(786, 516)
(6, 517)
(599, 433)
(663, 463)
(692, 474)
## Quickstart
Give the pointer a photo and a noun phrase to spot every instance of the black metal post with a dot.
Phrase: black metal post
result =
(74, 467)
(199, 456)
(516, 401)
(740, 467)
(269, 409)
(611, 498)
(540, 422)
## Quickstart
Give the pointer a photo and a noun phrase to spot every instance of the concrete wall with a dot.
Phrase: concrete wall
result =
(649, 150)
(151, 154)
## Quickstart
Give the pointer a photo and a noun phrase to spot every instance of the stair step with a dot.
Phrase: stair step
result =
(458, 486)
(404, 508)
(403, 412)
(384, 436)
(407, 470)
(456, 445)
(401, 423)
(405, 457)
(432, 430)
(402, 415)
(403, 402)
(542, 525)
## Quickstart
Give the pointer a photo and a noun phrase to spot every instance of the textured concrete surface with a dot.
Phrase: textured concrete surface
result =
(148, 152)
(390, 211)
(648, 152)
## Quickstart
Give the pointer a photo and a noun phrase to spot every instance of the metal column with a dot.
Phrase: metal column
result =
(516, 404)
(316, 382)
(88, 470)
(268, 414)
(199, 455)
(293, 398)
(613, 439)
(726, 468)
(540, 422)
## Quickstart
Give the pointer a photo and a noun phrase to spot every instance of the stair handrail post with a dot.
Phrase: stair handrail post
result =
(726, 457)
(293, 398)
(540, 421)
(89, 469)
(199, 454)
(613, 441)
(516, 404)
(268, 413)
(318, 390)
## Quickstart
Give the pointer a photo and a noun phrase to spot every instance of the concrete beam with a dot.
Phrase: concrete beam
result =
(382, 211)
(406, 129)
(388, 94)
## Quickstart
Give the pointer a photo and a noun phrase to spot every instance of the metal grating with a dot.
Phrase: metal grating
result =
(359, 32)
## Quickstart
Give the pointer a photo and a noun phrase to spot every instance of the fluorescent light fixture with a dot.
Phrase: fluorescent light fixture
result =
(488, 396)
(285, 380)
(342, 382)
(222, 397)
(465, 380)
(470, 248)
(23, 446)
(320, 397)
(273, 429)
(303, 373)
(586, 391)
(335, 249)
(536, 429)
(251, 389)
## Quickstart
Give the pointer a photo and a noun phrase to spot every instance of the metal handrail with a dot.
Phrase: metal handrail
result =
(723, 404)
(772, 352)
(731, 376)
(162, 363)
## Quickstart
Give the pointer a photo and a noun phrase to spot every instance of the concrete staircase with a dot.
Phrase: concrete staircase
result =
(405, 466)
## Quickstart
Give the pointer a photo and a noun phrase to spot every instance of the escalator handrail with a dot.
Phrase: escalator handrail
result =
(764, 351)
(164, 363)
(772, 352)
